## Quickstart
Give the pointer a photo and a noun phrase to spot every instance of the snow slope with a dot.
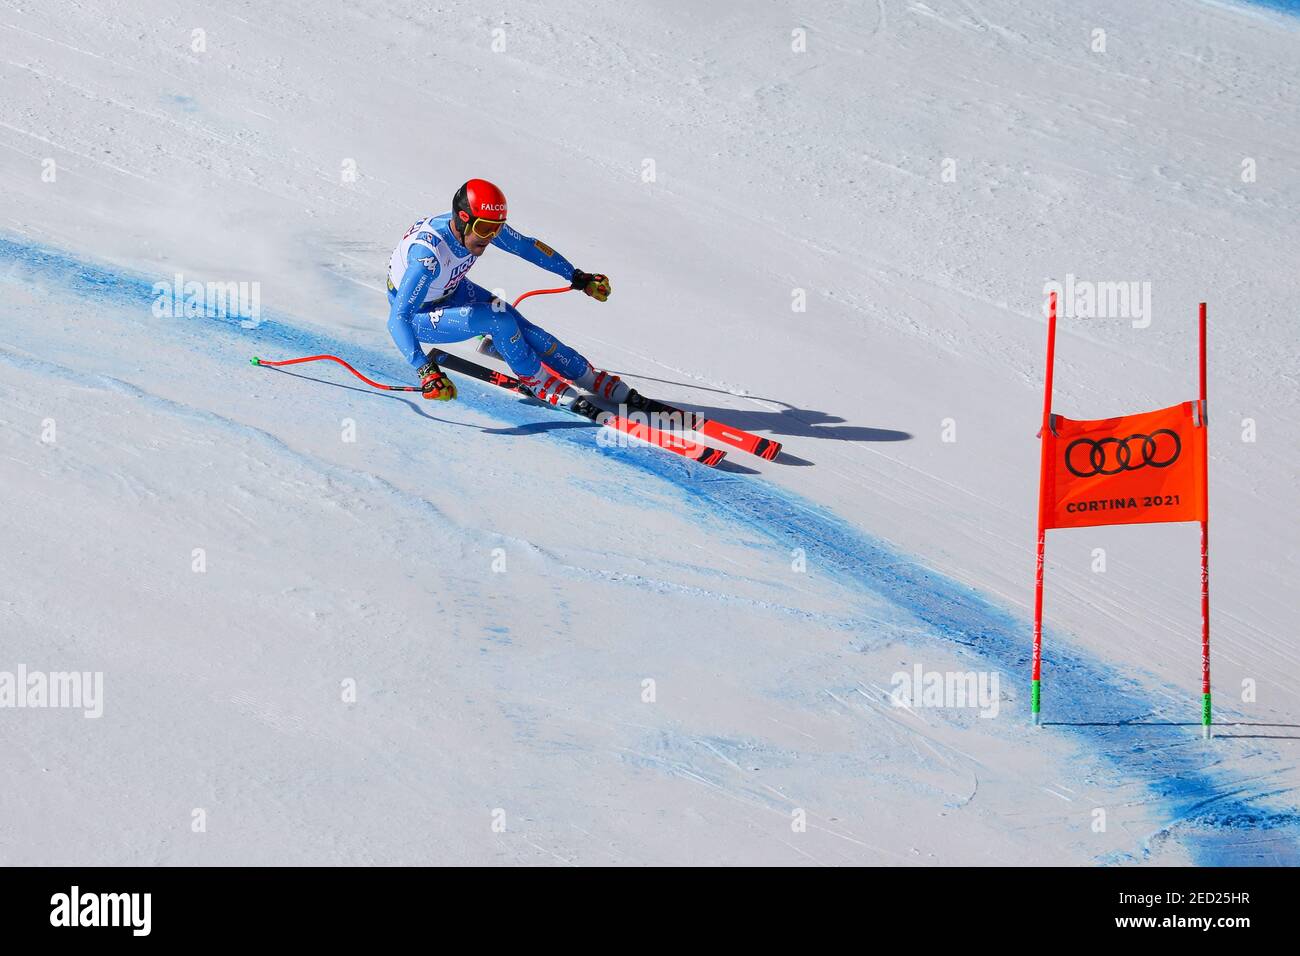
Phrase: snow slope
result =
(523, 690)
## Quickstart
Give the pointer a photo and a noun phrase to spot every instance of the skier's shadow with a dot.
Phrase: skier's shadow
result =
(789, 421)
(1182, 723)
(537, 428)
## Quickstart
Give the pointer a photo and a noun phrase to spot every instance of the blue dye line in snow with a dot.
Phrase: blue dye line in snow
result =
(1212, 811)
(1286, 6)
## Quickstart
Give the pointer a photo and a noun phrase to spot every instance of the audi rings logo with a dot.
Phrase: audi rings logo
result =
(1110, 456)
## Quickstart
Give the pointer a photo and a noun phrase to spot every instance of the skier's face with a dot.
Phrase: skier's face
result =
(476, 245)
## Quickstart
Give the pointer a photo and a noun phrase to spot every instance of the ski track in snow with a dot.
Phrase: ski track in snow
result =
(1220, 816)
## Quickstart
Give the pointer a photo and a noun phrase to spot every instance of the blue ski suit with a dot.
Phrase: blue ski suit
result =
(431, 300)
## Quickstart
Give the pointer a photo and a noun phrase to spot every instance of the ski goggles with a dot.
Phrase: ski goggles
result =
(485, 228)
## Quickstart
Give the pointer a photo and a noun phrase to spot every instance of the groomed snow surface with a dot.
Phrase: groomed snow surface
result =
(338, 626)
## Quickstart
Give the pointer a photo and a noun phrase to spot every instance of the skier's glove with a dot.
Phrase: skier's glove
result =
(434, 384)
(592, 283)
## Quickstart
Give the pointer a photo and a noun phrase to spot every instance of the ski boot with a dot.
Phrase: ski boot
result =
(551, 389)
(609, 387)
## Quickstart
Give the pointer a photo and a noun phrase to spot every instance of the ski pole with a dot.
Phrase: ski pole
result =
(334, 358)
(563, 288)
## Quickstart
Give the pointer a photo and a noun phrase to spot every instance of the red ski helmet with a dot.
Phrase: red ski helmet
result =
(480, 206)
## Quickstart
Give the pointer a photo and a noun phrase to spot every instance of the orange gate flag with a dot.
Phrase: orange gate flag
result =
(1134, 469)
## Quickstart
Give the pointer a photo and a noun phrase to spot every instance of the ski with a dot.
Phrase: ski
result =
(667, 440)
(728, 434)
(690, 421)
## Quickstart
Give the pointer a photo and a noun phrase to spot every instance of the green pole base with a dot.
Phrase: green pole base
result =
(1036, 695)
(1205, 716)
(255, 361)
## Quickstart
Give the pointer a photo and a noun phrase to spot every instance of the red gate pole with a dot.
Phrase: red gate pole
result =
(1044, 437)
(1205, 548)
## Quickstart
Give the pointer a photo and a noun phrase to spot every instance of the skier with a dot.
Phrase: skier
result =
(431, 300)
